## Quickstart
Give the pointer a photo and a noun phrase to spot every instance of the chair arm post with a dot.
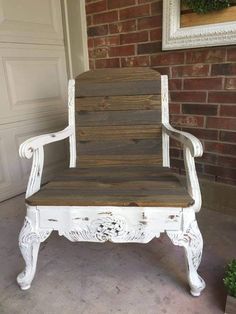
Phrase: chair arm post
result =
(34, 147)
(192, 148)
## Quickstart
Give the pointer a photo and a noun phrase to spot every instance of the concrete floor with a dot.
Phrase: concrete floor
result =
(113, 278)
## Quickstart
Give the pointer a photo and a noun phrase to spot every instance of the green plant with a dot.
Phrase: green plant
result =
(230, 278)
(205, 6)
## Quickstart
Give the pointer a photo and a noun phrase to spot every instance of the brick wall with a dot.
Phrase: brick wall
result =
(124, 33)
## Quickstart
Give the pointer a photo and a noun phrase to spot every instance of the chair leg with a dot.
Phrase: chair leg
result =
(191, 240)
(29, 242)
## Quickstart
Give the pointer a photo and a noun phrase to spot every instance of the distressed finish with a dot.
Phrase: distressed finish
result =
(119, 201)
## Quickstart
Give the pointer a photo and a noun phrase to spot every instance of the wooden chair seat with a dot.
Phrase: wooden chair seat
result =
(114, 186)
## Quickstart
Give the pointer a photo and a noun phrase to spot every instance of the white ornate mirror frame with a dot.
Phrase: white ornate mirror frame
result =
(175, 37)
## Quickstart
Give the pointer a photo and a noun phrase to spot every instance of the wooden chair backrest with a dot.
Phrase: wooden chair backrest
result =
(118, 117)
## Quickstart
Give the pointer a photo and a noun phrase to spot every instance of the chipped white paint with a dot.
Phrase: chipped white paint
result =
(112, 223)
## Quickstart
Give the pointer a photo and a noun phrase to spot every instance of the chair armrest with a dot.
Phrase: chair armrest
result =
(192, 147)
(28, 147)
(33, 147)
(186, 139)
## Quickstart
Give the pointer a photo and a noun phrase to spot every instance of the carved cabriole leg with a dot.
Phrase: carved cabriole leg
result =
(191, 240)
(29, 242)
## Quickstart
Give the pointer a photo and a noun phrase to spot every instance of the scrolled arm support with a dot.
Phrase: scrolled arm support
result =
(187, 139)
(28, 147)
(192, 148)
(34, 147)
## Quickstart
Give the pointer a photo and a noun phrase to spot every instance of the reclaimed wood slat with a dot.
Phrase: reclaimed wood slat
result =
(143, 102)
(120, 147)
(104, 118)
(118, 160)
(114, 82)
(72, 189)
(151, 131)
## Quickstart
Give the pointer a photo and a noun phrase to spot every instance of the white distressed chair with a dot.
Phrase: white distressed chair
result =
(119, 192)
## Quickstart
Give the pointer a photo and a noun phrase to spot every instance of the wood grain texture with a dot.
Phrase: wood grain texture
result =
(120, 81)
(152, 131)
(102, 118)
(118, 130)
(143, 102)
(114, 186)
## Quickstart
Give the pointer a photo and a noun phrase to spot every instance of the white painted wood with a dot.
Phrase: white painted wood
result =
(165, 119)
(112, 223)
(174, 37)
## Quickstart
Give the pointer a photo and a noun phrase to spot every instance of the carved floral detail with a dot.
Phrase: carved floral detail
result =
(191, 239)
(114, 229)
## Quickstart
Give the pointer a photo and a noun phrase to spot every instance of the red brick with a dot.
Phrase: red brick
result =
(114, 4)
(223, 69)
(174, 152)
(203, 84)
(91, 64)
(175, 143)
(231, 54)
(137, 11)
(106, 17)
(183, 96)
(228, 111)
(221, 148)
(156, 34)
(209, 158)
(133, 37)
(108, 63)
(221, 171)
(227, 161)
(175, 84)
(150, 22)
(90, 42)
(107, 41)
(174, 108)
(227, 136)
(168, 58)
(149, 48)
(95, 7)
(98, 30)
(230, 83)
(202, 133)
(222, 97)
(141, 61)
(126, 50)
(89, 20)
(199, 109)
(177, 163)
(186, 120)
(100, 52)
(156, 7)
(123, 27)
(190, 70)
(221, 123)
(211, 55)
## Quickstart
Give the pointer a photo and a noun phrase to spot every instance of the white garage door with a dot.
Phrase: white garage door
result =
(33, 83)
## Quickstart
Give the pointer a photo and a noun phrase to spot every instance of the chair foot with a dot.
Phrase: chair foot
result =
(191, 240)
(29, 242)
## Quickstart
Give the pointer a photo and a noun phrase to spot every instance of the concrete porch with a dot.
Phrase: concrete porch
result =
(113, 278)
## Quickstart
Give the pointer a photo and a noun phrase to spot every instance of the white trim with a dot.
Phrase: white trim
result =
(165, 119)
(175, 37)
